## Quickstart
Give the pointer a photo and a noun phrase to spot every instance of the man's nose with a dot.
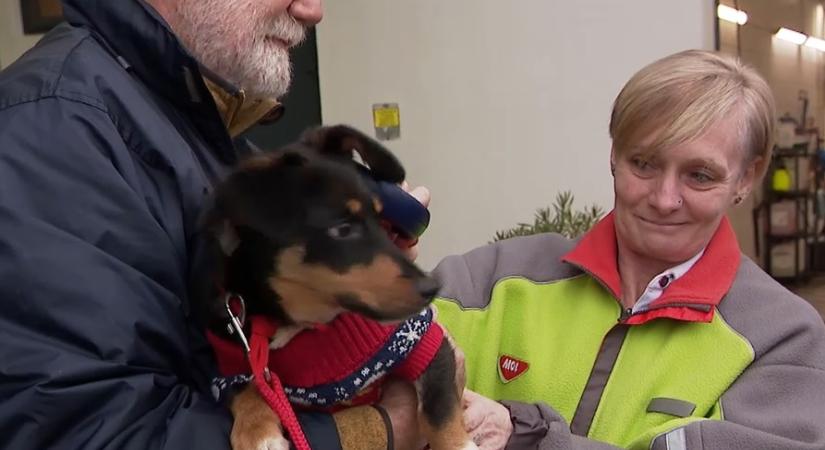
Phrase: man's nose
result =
(308, 12)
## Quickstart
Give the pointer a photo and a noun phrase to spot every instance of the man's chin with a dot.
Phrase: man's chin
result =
(268, 81)
(271, 92)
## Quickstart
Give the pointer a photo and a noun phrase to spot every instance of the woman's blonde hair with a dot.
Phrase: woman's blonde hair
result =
(681, 96)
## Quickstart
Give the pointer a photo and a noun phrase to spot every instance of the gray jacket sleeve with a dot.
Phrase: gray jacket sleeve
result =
(770, 406)
(537, 426)
(778, 402)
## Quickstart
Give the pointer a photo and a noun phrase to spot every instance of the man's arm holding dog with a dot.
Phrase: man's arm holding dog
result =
(97, 349)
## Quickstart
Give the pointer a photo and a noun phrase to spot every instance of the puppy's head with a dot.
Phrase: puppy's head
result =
(301, 234)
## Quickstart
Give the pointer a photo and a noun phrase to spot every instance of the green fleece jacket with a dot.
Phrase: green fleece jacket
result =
(726, 358)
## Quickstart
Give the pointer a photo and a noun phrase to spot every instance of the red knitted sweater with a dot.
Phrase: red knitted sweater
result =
(342, 363)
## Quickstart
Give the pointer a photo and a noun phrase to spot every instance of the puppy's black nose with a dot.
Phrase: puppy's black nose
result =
(427, 287)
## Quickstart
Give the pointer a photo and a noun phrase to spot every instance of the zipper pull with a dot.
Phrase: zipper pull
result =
(627, 312)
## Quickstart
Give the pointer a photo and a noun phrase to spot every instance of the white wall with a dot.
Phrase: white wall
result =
(12, 40)
(502, 104)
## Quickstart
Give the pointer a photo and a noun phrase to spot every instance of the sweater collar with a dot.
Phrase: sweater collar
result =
(691, 297)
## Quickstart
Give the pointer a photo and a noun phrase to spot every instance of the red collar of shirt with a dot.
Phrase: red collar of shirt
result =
(692, 297)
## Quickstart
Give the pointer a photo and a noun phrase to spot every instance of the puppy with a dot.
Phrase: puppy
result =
(300, 239)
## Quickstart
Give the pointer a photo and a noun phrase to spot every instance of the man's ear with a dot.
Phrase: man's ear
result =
(339, 142)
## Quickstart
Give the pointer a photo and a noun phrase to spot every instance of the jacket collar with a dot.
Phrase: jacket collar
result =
(239, 112)
(142, 41)
(692, 297)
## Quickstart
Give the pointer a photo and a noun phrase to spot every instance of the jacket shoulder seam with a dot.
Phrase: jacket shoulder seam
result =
(74, 97)
(496, 283)
(738, 333)
(55, 91)
(66, 59)
(83, 98)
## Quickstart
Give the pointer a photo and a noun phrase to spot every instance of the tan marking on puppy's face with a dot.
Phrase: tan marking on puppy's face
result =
(354, 206)
(312, 292)
(376, 203)
(300, 298)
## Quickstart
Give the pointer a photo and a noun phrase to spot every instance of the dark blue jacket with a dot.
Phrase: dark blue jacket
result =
(109, 145)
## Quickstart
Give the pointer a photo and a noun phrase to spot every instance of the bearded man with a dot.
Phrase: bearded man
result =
(113, 130)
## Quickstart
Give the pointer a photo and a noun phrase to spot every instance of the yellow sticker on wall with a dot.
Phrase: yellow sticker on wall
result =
(386, 115)
(387, 120)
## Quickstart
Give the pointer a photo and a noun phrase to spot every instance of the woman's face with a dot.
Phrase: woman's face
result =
(669, 204)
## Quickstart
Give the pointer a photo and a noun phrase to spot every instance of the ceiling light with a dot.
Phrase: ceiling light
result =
(816, 43)
(791, 36)
(731, 14)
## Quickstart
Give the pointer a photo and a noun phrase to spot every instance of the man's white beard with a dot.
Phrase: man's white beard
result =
(232, 39)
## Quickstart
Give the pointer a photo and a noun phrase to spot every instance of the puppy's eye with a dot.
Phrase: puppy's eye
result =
(345, 230)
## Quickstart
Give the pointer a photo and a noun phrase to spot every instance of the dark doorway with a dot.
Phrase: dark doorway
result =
(302, 104)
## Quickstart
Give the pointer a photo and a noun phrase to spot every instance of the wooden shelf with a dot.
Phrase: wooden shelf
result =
(782, 238)
(797, 151)
(781, 195)
(803, 252)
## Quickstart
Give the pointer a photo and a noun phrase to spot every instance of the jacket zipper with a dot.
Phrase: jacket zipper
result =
(626, 313)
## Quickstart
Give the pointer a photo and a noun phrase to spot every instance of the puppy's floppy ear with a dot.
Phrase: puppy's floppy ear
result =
(339, 141)
(231, 198)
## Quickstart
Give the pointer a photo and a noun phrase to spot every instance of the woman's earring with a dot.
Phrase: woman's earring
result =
(737, 200)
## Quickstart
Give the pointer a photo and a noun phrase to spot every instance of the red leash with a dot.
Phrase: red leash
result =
(257, 351)
(272, 391)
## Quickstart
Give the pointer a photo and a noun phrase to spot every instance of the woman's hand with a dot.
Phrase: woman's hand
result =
(487, 421)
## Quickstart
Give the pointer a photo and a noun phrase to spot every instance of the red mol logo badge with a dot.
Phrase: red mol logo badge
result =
(510, 368)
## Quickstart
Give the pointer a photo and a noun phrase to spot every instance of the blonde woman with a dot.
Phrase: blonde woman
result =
(653, 330)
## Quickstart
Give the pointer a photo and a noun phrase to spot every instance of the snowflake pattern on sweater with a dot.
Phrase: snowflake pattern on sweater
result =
(404, 339)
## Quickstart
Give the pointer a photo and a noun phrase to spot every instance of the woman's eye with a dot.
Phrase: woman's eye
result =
(641, 165)
(701, 177)
(345, 230)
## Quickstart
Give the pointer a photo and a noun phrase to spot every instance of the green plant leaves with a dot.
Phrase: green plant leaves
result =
(560, 218)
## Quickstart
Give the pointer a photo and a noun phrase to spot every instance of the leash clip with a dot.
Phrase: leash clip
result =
(235, 325)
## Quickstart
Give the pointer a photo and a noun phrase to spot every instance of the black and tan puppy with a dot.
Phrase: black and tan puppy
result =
(302, 243)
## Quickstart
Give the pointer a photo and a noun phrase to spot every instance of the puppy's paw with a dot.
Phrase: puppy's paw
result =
(273, 443)
(263, 437)
(256, 426)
